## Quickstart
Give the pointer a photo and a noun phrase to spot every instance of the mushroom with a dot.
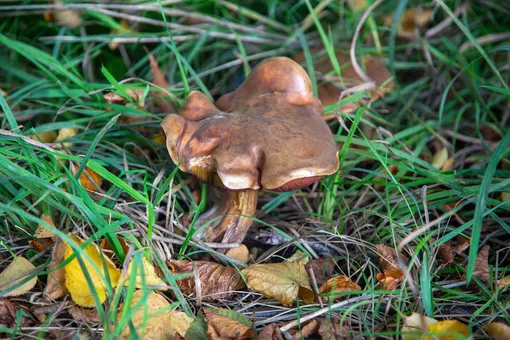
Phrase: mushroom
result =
(267, 134)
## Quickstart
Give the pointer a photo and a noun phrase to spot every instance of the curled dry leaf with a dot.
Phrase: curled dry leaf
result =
(339, 284)
(329, 90)
(270, 332)
(156, 321)
(281, 281)
(147, 272)
(411, 22)
(55, 285)
(43, 236)
(448, 251)
(388, 260)
(481, 270)
(216, 281)
(220, 327)
(81, 314)
(64, 134)
(502, 283)
(307, 330)
(89, 179)
(498, 330)
(15, 273)
(107, 248)
(415, 325)
(331, 329)
(241, 253)
(75, 279)
(321, 268)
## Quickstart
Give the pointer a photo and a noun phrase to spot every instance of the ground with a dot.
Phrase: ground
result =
(416, 219)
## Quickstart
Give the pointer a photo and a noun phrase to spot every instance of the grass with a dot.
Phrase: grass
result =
(451, 90)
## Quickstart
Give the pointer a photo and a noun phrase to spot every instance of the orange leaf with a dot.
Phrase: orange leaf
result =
(220, 327)
(240, 253)
(339, 284)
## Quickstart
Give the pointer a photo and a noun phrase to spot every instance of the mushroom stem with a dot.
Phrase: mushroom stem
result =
(230, 217)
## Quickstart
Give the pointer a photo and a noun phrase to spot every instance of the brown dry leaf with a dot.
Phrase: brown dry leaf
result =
(281, 281)
(16, 272)
(7, 313)
(63, 17)
(498, 330)
(308, 329)
(241, 253)
(393, 169)
(502, 283)
(447, 251)
(411, 22)
(80, 314)
(338, 284)
(75, 279)
(91, 182)
(162, 322)
(161, 99)
(136, 96)
(55, 286)
(388, 261)
(150, 277)
(45, 136)
(107, 249)
(216, 282)
(220, 327)
(64, 134)
(332, 329)
(322, 269)
(44, 236)
(481, 269)
(270, 332)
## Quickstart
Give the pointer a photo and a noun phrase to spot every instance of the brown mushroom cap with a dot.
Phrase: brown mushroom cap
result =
(268, 134)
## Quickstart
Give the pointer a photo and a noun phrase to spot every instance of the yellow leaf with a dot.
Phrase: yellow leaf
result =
(241, 253)
(66, 133)
(45, 137)
(446, 330)
(415, 325)
(159, 139)
(15, 273)
(440, 158)
(152, 323)
(75, 279)
(85, 181)
(281, 281)
(498, 330)
(42, 231)
(299, 256)
(412, 20)
(502, 283)
(149, 274)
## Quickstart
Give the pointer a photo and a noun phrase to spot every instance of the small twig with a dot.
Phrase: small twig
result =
(486, 39)
(446, 22)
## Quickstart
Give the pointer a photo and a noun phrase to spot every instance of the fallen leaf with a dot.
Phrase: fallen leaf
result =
(270, 332)
(393, 169)
(81, 314)
(75, 279)
(502, 283)
(392, 275)
(281, 281)
(63, 17)
(107, 249)
(216, 282)
(446, 330)
(498, 330)
(329, 90)
(45, 136)
(299, 256)
(321, 268)
(241, 253)
(64, 134)
(411, 22)
(331, 329)
(415, 325)
(308, 329)
(481, 269)
(220, 327)
(7, 313)
(156, 321)
(339, 284)
(161, 99)
(44, 237)
(55, 285)
(16, 272)
(148, 273)
(447, 251)
(89, 179)
(441, 161)
(135, 95)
